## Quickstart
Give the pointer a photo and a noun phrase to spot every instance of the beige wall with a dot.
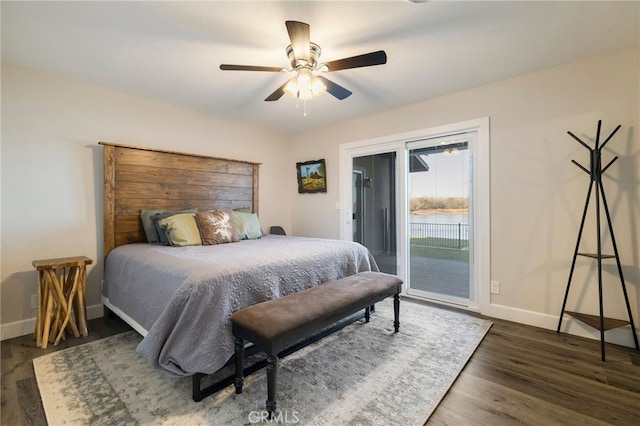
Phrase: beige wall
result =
(52, 189)
(52, 172)
(537, 195)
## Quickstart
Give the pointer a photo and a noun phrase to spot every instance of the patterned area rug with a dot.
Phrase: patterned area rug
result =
(363, 374)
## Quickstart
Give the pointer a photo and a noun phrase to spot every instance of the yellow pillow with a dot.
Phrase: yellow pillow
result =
(181, 229)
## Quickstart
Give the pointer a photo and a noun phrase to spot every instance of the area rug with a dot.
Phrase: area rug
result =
(363, 374)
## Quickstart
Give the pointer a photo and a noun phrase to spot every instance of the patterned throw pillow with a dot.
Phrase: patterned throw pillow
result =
(217, 227)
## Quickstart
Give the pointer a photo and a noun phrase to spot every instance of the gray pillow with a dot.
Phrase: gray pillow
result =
(147, 224)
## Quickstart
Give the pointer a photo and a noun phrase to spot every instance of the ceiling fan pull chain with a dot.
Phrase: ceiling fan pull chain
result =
(304, 105)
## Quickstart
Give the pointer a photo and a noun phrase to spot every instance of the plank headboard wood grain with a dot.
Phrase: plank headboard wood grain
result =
(142, 178)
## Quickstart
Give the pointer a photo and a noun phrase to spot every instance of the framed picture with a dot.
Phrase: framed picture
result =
(312, 176)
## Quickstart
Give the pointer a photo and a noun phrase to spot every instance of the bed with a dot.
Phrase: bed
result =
(180, 298)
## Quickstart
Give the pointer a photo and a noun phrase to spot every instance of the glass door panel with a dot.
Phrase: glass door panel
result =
(438, 224)
(374, 213)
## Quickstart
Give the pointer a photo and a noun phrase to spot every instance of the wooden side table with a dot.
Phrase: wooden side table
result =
(61, 288)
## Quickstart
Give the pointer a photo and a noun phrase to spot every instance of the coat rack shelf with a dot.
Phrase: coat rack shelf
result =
(594, 320)
(595, 171)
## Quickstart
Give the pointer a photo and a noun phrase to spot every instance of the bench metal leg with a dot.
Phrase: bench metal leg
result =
(239, 355)
(272, 375)
(367, 314)
(396, 312)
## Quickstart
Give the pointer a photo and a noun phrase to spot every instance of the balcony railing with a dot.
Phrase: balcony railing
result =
(440, 235)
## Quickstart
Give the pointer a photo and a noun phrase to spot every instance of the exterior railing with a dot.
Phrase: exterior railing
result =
(441, 235)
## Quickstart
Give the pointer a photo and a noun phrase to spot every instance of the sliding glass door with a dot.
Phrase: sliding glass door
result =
(419, 201)
(439, 238)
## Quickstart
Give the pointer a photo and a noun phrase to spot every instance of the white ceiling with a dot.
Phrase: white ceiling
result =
(171, 51)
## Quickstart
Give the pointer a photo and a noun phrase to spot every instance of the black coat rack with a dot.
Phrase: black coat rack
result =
(595, 172)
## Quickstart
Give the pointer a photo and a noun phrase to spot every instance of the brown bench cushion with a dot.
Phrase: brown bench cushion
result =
(277, 324)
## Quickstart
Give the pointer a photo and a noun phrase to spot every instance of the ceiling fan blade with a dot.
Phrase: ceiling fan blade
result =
(365, 60)
(277, 94)
(228, 67)
(335, 89)
(300, 37)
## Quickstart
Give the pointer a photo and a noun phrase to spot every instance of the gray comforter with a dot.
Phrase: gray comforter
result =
(183, 296)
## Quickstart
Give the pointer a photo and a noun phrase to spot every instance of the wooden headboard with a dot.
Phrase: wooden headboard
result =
(142, 178)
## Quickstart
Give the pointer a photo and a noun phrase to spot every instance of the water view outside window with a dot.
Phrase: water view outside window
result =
(439, 185)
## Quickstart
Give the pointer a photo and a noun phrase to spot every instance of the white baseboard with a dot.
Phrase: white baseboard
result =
(28, 326)
(619, 336)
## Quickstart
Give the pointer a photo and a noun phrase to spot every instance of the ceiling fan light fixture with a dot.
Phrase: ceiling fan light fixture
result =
(305, 85)
(291, 88)
(317, 86)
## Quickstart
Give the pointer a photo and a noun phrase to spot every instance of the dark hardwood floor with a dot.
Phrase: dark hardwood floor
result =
(527, 375)
(518, 375)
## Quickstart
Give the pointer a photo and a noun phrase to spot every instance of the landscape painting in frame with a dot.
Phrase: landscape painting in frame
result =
(312, 176)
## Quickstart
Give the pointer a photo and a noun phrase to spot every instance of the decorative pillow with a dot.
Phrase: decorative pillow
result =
(181, 229)
(217, 227)
(149, 226)
(160, 231)
(247, 225)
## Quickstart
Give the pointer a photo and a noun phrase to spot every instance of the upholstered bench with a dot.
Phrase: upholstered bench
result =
(277, 324)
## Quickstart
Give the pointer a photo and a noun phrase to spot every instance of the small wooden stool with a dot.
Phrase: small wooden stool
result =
(61, 287)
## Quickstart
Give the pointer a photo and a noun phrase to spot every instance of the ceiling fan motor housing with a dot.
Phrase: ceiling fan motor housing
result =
(314, 55)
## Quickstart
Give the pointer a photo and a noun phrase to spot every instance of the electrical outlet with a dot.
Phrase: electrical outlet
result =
(495, 287)
(34, 301)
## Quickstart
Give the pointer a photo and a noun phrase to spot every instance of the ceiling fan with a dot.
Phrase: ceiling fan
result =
(303, 55)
